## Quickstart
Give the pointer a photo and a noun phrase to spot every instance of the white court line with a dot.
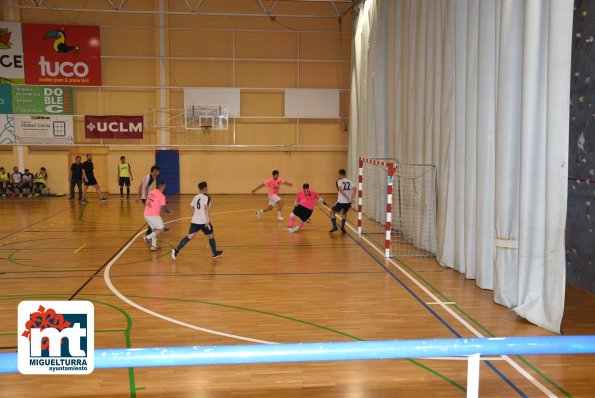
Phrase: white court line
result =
(441, 302)
(108, 282)
(512, 363)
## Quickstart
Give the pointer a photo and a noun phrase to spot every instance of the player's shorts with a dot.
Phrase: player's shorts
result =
(303, 213)
(91, 181)
(207, 229)
(155, 222)
(124, 181)
(339, 207)
(273, 200)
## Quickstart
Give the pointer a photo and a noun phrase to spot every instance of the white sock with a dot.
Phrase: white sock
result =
(150, 236)
(154, 240)
(280, 213)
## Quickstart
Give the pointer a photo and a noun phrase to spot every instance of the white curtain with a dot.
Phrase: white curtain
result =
(479, 88)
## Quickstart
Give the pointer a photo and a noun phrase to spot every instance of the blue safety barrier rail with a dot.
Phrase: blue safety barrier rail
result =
(311, 352)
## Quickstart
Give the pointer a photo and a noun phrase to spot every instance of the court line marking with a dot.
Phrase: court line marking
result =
(175, 321)
(448, 309)
(443, 302)
(108, 282)
(363, 273)
(80, 248)
(35, 223)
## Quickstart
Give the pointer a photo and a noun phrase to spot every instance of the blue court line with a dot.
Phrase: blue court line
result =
(490, 365)
(210, 274)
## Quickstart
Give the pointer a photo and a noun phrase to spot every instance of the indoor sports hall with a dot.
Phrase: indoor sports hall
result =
(297, 198)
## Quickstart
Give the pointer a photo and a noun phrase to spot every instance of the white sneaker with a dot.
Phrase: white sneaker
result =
(294, 229)
(258, 214)
(154, 248)
(280, 218)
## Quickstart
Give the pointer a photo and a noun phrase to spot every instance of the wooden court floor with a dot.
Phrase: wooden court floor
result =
(270, 286)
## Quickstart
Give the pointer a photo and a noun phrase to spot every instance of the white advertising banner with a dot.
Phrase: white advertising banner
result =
(12, 64)
(7, 136)
(44, 129)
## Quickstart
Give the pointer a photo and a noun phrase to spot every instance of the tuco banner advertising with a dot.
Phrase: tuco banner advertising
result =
(44, 129)
(62, 54)
(118, 127)
(42, 100)
(12, 65)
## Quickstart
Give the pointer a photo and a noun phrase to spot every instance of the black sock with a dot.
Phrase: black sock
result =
(149, 230)
(127, 192)
(334, 221)
(343, 223)
(121, 191)
(182, 243)
(213, 246)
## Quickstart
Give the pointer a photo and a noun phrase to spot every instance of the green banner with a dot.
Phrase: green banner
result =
(36, 100)
(5, 99)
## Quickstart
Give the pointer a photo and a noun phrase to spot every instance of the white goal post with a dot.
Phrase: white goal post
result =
(397, 206)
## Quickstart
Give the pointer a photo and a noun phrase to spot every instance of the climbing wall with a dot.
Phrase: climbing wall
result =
(580, 223)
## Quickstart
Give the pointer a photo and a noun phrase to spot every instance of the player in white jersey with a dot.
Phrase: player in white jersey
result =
(345, 194)
(145, 186)
(201, 221)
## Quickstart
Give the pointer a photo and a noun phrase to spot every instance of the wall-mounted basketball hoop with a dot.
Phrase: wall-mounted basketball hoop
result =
(206, 117)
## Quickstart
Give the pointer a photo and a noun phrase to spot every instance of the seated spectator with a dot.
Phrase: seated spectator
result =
(41, 179)
(5, 182)
(27, 182)
(17, 182)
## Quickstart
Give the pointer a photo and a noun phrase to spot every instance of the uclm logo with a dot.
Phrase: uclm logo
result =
(56, 337)
(116, 127)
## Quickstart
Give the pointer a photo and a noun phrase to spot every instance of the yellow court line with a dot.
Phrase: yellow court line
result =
(77, 250)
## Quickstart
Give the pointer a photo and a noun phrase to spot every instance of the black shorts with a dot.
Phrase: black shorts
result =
(339, 207)
(302, 212)
(124, 181)
(91, 181)
(207, 229)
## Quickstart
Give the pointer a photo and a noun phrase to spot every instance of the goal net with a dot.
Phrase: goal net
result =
(397, 206)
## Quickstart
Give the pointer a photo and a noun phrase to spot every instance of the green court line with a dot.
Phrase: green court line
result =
(131, 379)
(476, 322)
(11, 259)
(413, 361)
(468, 316)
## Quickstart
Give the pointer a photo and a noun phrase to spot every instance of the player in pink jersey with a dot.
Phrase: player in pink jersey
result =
(273, 185)
(305, 201)
(154, 203)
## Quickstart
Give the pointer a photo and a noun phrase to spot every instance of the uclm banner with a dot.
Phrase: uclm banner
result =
(61, 54)
(114, 127)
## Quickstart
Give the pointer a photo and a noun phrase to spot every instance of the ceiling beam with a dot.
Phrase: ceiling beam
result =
(194, 8)
(116, 6)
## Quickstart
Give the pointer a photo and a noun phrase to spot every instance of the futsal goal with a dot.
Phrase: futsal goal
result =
(397, 206)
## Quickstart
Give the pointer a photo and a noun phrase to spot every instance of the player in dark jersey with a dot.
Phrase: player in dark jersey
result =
(89, 179)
